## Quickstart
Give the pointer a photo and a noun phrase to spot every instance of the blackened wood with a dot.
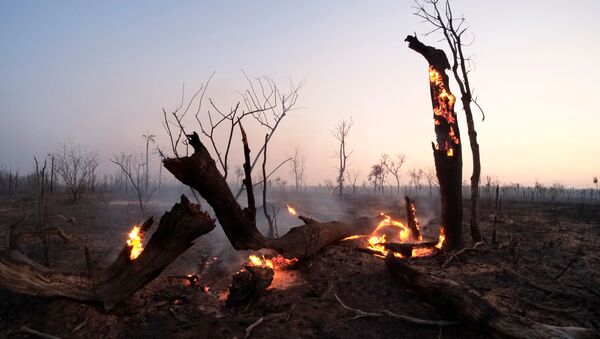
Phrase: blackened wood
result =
(447, 151)
(411, 218)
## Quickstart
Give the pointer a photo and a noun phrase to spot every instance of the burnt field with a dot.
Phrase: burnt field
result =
(543, 267)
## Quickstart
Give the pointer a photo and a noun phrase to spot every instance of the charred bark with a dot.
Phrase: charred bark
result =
(447, 152)
(459, 301)
(176, 232)
(200, 172)
(411, 219)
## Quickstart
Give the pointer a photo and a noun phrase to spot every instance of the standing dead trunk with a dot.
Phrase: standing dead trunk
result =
(447, 151)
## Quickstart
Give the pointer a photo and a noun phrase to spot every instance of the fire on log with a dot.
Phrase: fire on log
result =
(108, 286)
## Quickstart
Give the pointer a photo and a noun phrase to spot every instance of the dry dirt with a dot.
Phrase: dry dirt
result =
(519, 274)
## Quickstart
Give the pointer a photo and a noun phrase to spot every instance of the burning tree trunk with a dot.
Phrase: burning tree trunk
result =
(131, 270)
(200, 172)
(456, 300)
(447, 151)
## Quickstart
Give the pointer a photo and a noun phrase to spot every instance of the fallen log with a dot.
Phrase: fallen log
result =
(459, 301)
(108, 286)
(200, 172)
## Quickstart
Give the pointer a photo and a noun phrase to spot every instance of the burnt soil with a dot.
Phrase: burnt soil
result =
(544, 267)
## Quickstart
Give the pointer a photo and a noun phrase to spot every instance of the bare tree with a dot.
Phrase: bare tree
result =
(394, 166)
(298, 164)
(131, 167)
(263, 100)
(453, 30)
(352, 176)
(415, 178)
(376, 176)
(431, 180)
(77, 168)
(148, 138)
(340, 133)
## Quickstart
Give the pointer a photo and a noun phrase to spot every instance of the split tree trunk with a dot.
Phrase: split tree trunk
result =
(447, 151)
(200, 172)
(108, 286)
(459, 301)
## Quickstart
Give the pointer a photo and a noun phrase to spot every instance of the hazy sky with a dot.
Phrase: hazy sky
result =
(99, 72)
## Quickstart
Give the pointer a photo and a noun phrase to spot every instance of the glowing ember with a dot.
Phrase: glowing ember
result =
(277, 262)
(256, 261)
(135, 242)
(291, 210)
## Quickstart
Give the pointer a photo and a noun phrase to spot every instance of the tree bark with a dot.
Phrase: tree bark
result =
(200, 172)
(447, 152)
(459, 301)
(176, 232)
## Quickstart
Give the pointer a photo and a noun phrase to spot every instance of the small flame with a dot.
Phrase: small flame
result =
(135, 242)
(291, 209)
(277, 262)
(352, 237)
(441, 239)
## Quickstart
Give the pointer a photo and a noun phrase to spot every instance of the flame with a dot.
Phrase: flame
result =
(291, 210)
(390, 230)
(413, 208)
(135, 242)
(444, 109)
(277, 262)
(441, 239)
(256, 261)
(352, 237)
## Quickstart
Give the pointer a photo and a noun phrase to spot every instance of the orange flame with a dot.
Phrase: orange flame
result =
(135, 242)
(441, 239)
(444, 109)
(277, 262)
(352, 237)
(291, 210)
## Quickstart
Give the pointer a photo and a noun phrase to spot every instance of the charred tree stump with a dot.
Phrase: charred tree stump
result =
(200, 172)
(411, 219)
(447, 152)
(459, 301)
(248, 284)
(176, 232)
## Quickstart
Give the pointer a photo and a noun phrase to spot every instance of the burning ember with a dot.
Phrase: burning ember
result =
(135, 242)
(277, 262)
(291, 210)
